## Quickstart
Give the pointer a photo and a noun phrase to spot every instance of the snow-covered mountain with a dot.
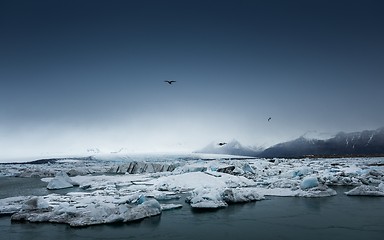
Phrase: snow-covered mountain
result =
(365, 143)
(231, 148)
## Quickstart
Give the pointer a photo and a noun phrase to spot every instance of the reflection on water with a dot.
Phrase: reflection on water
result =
(338, 217)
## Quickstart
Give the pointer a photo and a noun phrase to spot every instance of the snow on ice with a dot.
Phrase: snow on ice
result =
(61, 180)
(119, 191)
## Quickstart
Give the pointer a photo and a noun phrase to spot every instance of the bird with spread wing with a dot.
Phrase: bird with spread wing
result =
(170, 81)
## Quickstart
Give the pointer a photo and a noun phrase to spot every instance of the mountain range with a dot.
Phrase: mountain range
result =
(364, 143)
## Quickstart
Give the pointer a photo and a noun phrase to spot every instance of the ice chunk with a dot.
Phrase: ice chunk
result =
(61, 180)
(298, 172)
(65, 208)
(162, 195)
(352, 170)
(65, 176)
(281, 192)
(365, 190)
(11, 205)
(35, 203)
(283, 183)
(238, 195)
(319, 191)
(93, 210)
(309, 182)
(171, 206)
(248, 169)
(381, 187)
(219, 198)
(148, 208)
(58, 183)
(193, 180)
(141, 199)
(206, 198)
(191, 167)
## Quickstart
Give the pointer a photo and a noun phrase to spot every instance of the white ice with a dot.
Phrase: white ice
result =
(108, 195)
(61, 180)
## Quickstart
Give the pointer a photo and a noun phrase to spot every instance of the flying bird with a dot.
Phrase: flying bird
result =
(169, 81)
(221, 143)
(269, 119)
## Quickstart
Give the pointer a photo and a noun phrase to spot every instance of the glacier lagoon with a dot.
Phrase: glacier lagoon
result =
(337, 217)
(296, 216)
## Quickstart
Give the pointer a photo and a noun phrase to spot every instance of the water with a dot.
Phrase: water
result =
(339, 217)
(13, 186)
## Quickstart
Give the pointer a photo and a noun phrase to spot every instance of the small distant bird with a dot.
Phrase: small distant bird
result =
(269, 119)
(221, 143)
(169, 81)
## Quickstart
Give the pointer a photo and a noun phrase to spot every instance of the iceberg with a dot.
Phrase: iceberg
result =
(60, 181)
(185, 182)
(35, 203)
(171, 206)
(11, 205)
(89, 212)
(220, 198)
(206, 198)
(381, 187)
(299, 172)
(241, 195)
(118, 191)
(366, 190)
(309, 182)
(319, 191)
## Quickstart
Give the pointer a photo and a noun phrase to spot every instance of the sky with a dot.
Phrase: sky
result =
(87, 74)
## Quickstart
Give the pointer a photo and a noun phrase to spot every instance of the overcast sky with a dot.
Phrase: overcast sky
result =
(90, 74)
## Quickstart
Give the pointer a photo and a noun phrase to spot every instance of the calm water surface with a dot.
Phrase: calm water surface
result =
(339, 217)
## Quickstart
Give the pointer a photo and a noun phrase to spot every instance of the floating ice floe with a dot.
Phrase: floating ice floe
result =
(132, 191)
(298, 172)
(205, 198)
(188, 181)
(61, 180)
(35, 203)
(320, 191)
(309, 182)
(88, 211)
(367, 190)
(241, 195)
(12, 205)
(210, 189)
(170, 206)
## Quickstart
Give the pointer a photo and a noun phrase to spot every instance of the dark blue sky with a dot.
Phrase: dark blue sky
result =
(79, 74)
